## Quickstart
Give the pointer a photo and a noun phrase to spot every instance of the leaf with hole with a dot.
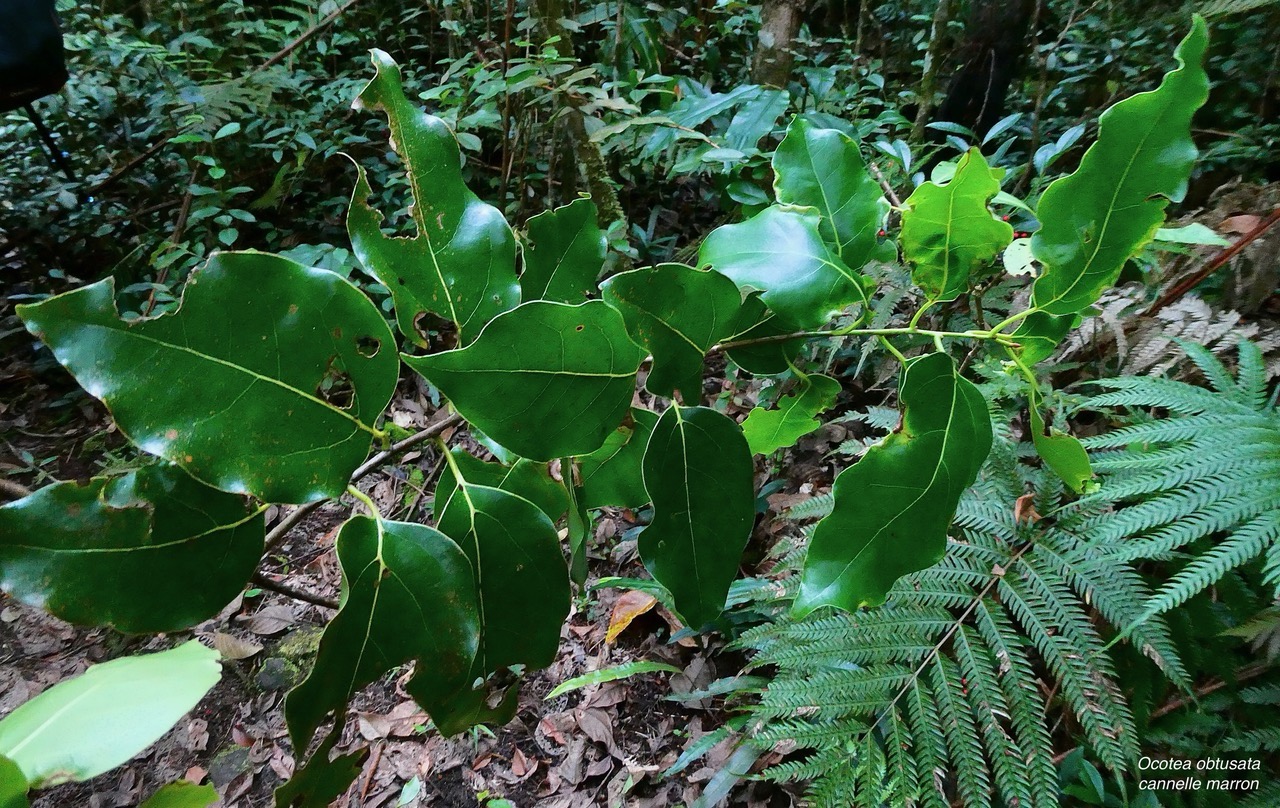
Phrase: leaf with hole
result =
(545, 380)
(460, 263)
(407, 594)
(949, 234)
(823, 169)
(94, 722)
(780, 253)
(698, 472)
(1097, 218)
(123, 551)
(564, 254)
(266, 381)
(676, 313)
(768, 430)
(893, 507)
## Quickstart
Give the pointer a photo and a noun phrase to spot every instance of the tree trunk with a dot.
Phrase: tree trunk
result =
(775, 47)
(997, 38)
(929, 76)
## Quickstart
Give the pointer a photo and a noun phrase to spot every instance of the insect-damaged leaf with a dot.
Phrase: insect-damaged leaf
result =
(947, 231)
(698, 472)
(779, 252)
(461, 264)
(266, 381)
(893, 507)
(564, 254)
(545, 380)
(124, 551)
(1097, 218)
(677, 313)
(770, 430)
(91, 723)
(407, 594)
(823, 169)
(522, 585)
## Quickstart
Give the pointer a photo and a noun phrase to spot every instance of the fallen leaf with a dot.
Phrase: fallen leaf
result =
(521, 766)
(233, 648)
(270, 620)
(629, 605)
(1244, 223)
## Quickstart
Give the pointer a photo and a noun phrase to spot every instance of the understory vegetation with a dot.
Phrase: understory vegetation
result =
(800, 402)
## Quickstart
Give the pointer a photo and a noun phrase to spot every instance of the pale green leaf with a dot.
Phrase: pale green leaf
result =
(182, 795)
(624, 671)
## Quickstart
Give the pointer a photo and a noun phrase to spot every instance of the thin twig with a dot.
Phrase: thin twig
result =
(310, 32)
(888, 189)
(278, 533)
(1242, 675)
(1226, 254)
(12, 490)
(261, 580)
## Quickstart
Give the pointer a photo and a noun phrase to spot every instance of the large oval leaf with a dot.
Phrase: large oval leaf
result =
(779, 252)
(545, 380)
(461, 264)
(153, 550)
(407, 594)
(1097, 218)
(564, 254)
(677, 313)
(266, 381)
(698, 472)
(948, 232)
(612, 476)
(87, 725)
(893, 507)
(823, 169)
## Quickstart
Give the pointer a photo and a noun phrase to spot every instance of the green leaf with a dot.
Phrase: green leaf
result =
(564, 254)
(949, 234)
(124, 551)
(182, 795)
(524, 478)
(13, 785)
(779, 252)
(823, 169)
(771, 356)
(698, 472)
(266, 381)
(1040, 333)
(545, 380)
(1097, 218)
(580, 527)
(893, 507)
(91, 723)
(770, 430)
(624, 671)
(320, 781)
(461, 264)
(407, 594)
(612, 476)
(676, 313)
(1061, 452)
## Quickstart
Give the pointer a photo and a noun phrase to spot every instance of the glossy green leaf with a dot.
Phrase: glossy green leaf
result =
(124, 551)
(893, 507)
(564, 254)
(13, 785)
(770, 356)
(91, 723)
(823, 169)
(1061, 452)
(676, 313)
(613, 475)
(267, 381)
(524, 478)
(579, 529)
(1039, 334)
(322, 780)
(698, 472)
(948, 232)
(461, 263)
(182, 794)
(546, 380)
(768, 430)
(1097, 218)
(624, 671)
(407, 594)
(779, 252)
(522, 585)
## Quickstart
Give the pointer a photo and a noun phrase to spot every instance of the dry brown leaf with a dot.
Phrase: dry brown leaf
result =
(629, 605)
(270, 620)
(233, 648)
